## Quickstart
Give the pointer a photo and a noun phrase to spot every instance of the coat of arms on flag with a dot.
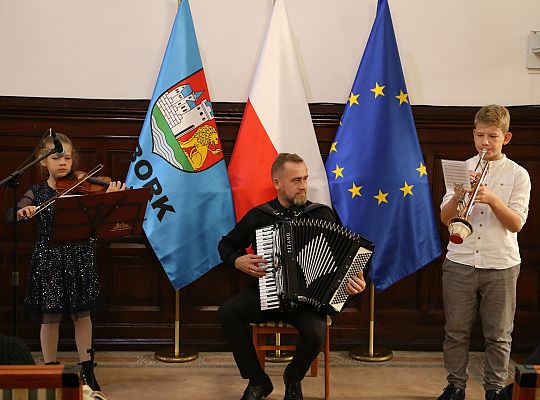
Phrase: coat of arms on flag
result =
(183, 126)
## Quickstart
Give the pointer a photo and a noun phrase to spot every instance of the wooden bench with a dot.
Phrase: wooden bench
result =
(526, 383)
(47, 382)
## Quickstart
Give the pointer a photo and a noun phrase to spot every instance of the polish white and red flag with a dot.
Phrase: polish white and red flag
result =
(276, 120)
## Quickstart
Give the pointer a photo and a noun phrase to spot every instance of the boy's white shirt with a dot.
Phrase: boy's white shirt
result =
(491, 245)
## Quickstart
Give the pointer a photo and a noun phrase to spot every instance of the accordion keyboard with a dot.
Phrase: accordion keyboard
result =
(267, 284)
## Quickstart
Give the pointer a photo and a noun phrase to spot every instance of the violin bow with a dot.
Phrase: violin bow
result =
(47, 203)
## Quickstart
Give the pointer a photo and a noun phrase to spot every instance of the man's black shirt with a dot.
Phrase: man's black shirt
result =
(233, 244)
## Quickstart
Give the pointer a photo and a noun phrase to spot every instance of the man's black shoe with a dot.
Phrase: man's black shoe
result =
(254, 392)
(493, 394)
(452, 393)
(293, 389)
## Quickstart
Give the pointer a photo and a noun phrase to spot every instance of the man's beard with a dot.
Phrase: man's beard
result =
(300, 200)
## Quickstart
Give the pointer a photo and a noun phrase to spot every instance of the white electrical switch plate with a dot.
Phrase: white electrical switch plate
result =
(533, 52)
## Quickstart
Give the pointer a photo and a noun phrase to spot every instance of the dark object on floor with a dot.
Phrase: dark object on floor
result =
(14, 351)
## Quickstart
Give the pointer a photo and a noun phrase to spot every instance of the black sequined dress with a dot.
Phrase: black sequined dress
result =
(63, 279)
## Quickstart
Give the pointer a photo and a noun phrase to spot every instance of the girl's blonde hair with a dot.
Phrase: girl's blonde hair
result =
(47, 144)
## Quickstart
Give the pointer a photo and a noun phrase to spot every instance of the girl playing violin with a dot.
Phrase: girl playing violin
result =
(63, 279)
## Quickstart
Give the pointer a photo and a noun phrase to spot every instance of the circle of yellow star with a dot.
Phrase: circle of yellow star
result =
(407, 189)
(353, 99)
(338, 171)
(381, 197)
(333, 147)
(355, 190)
(402, 97)
(422, 169)
(378, 90)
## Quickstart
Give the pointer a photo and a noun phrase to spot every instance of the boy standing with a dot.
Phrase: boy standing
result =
(480, 274)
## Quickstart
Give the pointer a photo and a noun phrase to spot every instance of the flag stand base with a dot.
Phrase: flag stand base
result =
(278, 356)
(363, 354)
(170, 356)
(369, 354)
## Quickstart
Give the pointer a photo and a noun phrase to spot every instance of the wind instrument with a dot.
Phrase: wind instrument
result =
(459, 227)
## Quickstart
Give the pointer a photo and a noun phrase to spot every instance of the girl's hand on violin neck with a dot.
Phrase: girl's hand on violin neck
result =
(116, 186)
(26, 212)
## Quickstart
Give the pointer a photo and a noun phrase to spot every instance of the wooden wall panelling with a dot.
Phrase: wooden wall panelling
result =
(139, 312)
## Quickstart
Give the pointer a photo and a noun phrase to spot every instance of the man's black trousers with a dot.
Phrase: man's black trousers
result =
(238, 312)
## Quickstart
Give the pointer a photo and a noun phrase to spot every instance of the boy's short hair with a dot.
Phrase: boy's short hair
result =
(494, 114)
(281, 159)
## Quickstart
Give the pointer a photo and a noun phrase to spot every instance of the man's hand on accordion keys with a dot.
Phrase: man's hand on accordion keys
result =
(249, 264)
(356, 284)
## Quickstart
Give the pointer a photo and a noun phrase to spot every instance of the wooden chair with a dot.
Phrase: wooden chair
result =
(280, 327)
(58, 382)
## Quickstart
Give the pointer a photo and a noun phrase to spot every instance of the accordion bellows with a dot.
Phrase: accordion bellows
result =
(309, 261)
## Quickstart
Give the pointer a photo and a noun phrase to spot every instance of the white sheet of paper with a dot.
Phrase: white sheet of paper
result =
(455, 173)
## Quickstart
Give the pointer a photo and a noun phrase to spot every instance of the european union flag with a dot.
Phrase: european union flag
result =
(376, 172)
(179, 156)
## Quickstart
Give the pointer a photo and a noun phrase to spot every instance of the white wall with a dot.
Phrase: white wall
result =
(458, 52)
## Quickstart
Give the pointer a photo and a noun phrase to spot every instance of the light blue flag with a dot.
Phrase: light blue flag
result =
(376, 173)
(179, 156)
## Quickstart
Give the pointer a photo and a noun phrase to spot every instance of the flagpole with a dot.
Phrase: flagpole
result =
(360, 353)
(176, 356)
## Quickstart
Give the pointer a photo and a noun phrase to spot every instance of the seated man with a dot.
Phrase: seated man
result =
(289, 174)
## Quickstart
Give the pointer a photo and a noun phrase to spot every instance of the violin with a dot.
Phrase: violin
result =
(72, 186)
(87, 185)
(76, 182)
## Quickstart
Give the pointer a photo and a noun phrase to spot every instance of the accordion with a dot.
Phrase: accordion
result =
(309, 261)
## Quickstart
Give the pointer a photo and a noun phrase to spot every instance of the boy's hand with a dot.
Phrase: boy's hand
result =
(485, 195)
(472, 176)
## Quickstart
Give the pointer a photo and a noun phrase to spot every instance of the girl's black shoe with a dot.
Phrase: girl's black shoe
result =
(87, 375)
